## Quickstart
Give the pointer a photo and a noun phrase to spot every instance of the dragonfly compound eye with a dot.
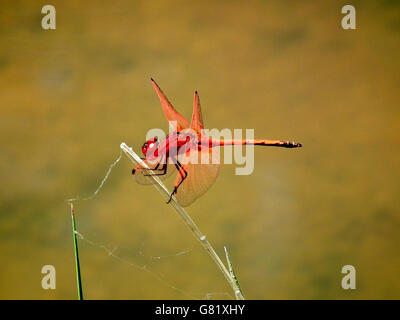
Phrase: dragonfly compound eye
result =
(144, 148)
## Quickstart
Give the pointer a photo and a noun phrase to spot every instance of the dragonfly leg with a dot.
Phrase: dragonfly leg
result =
(170, 196)
(163, 171)
(134, 170)
(183, 175)
(156, 168)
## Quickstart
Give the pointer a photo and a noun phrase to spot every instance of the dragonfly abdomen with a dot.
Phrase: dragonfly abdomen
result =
(269, 143)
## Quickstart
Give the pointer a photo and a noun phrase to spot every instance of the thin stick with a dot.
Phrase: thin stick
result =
(232, 272)
(77, 265)
(185, 217)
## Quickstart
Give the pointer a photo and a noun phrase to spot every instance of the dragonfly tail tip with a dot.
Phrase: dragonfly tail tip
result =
(293, 145)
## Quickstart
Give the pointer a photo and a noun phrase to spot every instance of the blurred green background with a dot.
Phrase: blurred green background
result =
(70, 96)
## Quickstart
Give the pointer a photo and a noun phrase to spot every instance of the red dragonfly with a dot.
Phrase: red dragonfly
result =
(193, 154)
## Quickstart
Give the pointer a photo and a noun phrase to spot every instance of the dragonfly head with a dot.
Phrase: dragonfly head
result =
(149, 145)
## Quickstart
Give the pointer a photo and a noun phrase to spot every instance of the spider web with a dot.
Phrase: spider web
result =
(151, 261)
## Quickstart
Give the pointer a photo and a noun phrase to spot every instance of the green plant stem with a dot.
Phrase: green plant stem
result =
(77, 265)
(232, 272)
(186, 219)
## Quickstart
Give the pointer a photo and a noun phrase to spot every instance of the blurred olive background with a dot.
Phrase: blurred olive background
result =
(70, 96)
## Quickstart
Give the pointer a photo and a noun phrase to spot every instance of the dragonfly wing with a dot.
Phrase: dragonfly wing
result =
(140, 174)
(197, 118)
(170, 113)
(200, 176)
